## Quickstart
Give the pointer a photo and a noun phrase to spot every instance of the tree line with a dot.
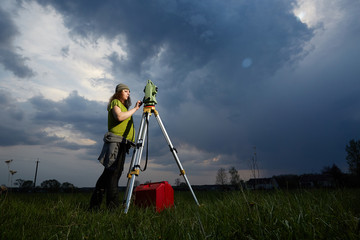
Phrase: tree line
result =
(351, 179)
(51, 185)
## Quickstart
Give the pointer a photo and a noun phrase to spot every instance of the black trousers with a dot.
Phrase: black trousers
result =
(108, 182)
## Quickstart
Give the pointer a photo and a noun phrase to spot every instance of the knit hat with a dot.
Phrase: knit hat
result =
(120, 87)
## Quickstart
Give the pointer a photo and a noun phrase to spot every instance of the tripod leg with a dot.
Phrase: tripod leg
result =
(174, 152)
(132, 163)
(135, 161)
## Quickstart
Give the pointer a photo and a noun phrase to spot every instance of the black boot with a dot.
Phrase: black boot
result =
(112, 198)
(96, 199)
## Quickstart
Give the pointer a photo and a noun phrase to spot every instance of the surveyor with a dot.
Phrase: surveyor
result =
(117, 142)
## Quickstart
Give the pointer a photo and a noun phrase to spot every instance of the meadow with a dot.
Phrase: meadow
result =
(298, 214)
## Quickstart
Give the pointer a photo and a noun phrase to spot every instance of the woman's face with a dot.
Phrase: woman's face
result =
(125, 94)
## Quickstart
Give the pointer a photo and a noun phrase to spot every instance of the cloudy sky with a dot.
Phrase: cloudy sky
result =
(277, 77)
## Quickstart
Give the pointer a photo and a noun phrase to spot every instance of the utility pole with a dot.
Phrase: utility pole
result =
(37, 164)
(254, 165)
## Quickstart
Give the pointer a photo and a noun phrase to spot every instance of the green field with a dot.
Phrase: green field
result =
(301, 214)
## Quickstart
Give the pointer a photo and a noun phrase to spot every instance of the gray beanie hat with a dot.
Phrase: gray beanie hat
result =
(120, 87)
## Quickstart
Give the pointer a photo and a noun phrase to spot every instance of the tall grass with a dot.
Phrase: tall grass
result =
(316, 214)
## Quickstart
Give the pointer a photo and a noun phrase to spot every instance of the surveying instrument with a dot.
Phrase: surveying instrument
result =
(134, 170)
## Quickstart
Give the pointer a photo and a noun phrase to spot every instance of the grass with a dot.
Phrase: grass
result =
(315, 214)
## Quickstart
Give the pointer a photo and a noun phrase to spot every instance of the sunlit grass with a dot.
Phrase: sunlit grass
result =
(316, 214)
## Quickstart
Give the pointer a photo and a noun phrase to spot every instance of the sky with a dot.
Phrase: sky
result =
(274, 83)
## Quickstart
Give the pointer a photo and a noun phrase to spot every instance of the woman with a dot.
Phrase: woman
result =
(117, 141)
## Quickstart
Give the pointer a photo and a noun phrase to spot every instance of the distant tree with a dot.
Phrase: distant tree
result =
(287, 181)
(51, 185)
(24, 185)
(221, 177)
(27, 185)
(19, 182)
(334, 172)
(234, 177)
(177, 182)
(353, 156)
(67, 187)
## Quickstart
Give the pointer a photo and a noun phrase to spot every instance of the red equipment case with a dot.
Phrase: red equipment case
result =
(160, 194)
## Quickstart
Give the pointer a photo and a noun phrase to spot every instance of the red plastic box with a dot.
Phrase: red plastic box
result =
(160, 194)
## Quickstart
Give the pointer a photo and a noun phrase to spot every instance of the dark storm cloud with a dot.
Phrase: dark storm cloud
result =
(9, 58)
(84, 116)
(193, 34)
(8, 107)
(24, 123)
(13, 125)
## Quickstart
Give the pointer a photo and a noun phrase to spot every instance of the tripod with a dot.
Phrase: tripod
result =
(135, 160)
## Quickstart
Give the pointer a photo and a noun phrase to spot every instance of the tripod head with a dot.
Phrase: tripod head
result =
(150, 94)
